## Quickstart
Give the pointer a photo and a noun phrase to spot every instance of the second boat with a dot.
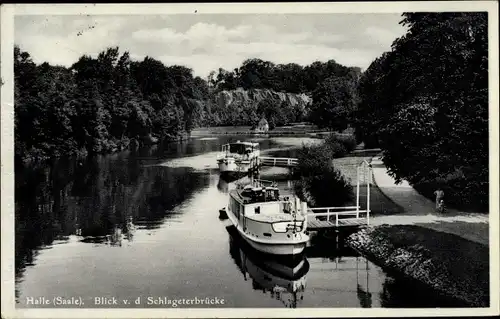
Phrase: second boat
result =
(269, 222)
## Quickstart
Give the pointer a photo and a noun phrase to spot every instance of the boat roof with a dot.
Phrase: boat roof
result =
(244, 143)
(245, 193)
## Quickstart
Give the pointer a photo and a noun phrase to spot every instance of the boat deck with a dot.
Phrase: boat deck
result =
(267, 218)
(315, 224)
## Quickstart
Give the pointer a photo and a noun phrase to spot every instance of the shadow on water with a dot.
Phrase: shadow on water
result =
(294, 281)
(396, 291)
(100, 200)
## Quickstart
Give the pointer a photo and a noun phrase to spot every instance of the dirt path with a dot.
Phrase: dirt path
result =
(419, 210)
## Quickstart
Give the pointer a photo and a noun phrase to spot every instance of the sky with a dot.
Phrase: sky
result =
(211, 41)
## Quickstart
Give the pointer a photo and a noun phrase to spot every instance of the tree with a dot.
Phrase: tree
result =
(333, 103)
(436, 71)
(256, 74)
(374, 101)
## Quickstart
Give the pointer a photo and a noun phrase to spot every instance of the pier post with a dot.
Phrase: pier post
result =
(367, 276)
(337, 237)
(357, 193)
(357, 271)
(368, 197)
(304, 213)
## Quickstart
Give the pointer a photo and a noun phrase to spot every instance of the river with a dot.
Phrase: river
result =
(144, 223)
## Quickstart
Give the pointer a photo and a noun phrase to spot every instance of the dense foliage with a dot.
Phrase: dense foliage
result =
(315, 177)
(293, 78)
(99, 104)
(425, 103)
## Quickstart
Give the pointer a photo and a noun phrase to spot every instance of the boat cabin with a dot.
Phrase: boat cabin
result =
(259, 194)
(240, 148)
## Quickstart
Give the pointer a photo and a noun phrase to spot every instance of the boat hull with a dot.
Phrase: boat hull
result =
(293, 247)
(232, 168)
(276, 249)
(232, 175)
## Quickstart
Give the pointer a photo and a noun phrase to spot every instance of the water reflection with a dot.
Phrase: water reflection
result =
(225, 184)
(147, 229)
(101, 201)
(336, 277)
(280, 278)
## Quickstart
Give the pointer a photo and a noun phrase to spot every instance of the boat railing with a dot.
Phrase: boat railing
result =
(264, 183)
(338, 213)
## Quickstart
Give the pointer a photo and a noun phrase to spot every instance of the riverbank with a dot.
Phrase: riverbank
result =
(448, 253)
(289, 130)
(41, 157)
(451, 265)
(271, 133)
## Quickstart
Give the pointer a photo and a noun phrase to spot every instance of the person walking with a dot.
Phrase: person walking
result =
(439, 199)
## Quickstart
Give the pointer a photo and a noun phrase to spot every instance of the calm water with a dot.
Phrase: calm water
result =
(145, 224)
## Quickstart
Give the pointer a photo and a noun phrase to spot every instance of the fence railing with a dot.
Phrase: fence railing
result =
(279, 161)
(339, 213)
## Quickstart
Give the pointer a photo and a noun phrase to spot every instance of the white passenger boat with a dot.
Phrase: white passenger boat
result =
(238, 158)
(268, 222)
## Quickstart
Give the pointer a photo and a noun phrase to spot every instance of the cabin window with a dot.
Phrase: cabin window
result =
(235, 207)
(237, 148)
(280, 227)
(257, 210)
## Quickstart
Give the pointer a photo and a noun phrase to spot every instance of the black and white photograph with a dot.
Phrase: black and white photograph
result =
(249, 159)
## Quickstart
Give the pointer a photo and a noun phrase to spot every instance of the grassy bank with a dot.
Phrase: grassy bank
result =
(451, 265)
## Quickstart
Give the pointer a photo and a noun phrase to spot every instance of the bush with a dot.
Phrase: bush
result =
(327, 189)
(313, 160)
(340, 144)
(316, 181)
(348, 141)
(336, 149)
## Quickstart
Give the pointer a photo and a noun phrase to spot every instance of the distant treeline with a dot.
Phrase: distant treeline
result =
(99, 104)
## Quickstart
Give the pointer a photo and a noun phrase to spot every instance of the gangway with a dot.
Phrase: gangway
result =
(278, 161)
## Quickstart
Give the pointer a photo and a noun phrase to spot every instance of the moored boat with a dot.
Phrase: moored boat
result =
(238, 158)
(269, 222)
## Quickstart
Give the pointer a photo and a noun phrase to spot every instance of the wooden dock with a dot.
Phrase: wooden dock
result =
(321, 218)
(314, 224)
